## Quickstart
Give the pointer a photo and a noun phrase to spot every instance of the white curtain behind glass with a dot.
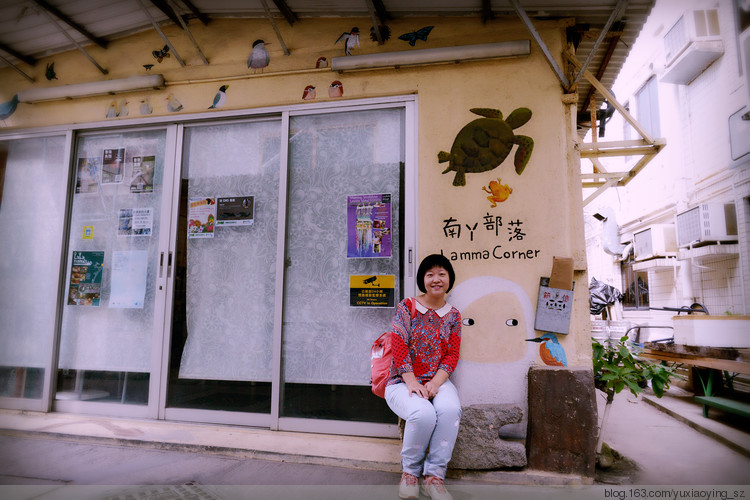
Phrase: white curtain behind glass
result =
(231, 277)
(333, 156)
(105, 338)
(31, 224)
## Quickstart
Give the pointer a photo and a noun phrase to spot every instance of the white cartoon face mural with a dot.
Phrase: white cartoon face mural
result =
(498, 318)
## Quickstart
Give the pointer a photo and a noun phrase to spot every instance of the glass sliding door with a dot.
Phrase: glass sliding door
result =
(224, 298)
(343, 248)
(33, 190)
(114, 300)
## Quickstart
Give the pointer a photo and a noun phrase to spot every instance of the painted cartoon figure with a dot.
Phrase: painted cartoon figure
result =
(498, 192)
(484, 143)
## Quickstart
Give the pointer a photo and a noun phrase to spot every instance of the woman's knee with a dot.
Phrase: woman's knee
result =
(422, 414)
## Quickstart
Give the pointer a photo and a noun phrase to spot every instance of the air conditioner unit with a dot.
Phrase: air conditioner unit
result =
(692, 45)
(656, 241)
(706, 223)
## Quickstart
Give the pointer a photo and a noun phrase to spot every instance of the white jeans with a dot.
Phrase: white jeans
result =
(430, 424)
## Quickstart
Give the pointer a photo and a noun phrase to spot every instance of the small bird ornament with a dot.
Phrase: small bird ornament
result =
(550, 350)
(112, 110)
(309, 93)
(8, 108)
(351, 39)
(322, 62)
(173, 105)
(146, 107)
(336, 89)
(220, 98)
(259, 57)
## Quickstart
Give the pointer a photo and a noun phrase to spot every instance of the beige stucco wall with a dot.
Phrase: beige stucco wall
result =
(545, 198)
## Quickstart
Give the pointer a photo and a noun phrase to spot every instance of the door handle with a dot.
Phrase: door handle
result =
(161, 264)
(169, 265)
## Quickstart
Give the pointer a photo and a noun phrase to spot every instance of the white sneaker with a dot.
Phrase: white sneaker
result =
(409, 486)
(434, 488)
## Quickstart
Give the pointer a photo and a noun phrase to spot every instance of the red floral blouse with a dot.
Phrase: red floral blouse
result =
(426, 342)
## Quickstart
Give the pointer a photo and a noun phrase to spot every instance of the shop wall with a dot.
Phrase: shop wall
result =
(501, 229)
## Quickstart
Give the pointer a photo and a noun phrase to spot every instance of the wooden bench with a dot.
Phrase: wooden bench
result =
(725, 404)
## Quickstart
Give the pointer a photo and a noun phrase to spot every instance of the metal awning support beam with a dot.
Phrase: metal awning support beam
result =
(610, 97)
(23, 57)
(535, 34)
(200, 15)
(18, 70)
(288, 13)
(161, 33)
(101, 42)
(72, 40)
(189, 33)
(275, 28)
(375, 27)
(168, 10)
(614, 16)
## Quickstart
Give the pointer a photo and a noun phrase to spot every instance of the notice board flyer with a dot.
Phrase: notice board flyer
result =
(368, 221)
(86, 278)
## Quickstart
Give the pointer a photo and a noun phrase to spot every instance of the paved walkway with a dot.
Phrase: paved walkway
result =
(60, 456)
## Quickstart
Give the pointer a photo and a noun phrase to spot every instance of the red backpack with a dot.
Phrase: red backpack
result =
(381, 358)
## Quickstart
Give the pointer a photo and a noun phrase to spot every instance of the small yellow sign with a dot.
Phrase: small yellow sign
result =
(372, 290)
(88, 232)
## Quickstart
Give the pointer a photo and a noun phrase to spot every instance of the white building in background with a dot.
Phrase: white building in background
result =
(678, 233)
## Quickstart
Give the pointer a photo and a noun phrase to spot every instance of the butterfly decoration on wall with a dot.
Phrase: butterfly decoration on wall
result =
(49, 72)
(159, 55)
(148, 66)
(420, 34)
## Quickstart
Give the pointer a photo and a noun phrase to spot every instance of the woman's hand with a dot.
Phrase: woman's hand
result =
(414, 386)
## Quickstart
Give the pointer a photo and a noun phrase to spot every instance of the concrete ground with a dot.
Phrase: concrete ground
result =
(59, 456)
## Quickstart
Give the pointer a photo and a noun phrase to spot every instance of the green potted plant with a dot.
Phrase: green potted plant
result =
(617, 366)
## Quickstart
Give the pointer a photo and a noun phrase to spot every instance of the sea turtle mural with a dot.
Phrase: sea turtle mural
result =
(484, 143)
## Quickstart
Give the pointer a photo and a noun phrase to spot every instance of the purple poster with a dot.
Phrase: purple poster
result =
(368, 224)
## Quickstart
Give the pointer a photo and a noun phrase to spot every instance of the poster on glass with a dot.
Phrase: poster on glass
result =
(368, 221)
(87, 180)
(143, 174)
(113, 161)
(201, 217)
(135, 221)
(235, 211)
(86, 278)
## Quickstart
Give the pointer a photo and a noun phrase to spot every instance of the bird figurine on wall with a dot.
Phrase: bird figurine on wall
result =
(220, 98)
(49, 72)
(112, 110)
(259, 57)
(322, 62)
(123, 108)
(351, 39)
(336, 89)
(148, 66)
(173, 105)
(146, 107)
(550, 350)
(309, 93)
(8, 108)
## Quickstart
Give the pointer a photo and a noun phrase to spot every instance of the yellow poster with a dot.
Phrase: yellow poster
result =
(372, 290)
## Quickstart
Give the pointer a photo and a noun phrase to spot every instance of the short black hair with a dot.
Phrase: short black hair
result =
(435, 260)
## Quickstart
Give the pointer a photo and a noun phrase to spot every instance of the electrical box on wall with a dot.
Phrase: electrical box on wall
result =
(658, 240)
(691, 45)
(706, 223)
